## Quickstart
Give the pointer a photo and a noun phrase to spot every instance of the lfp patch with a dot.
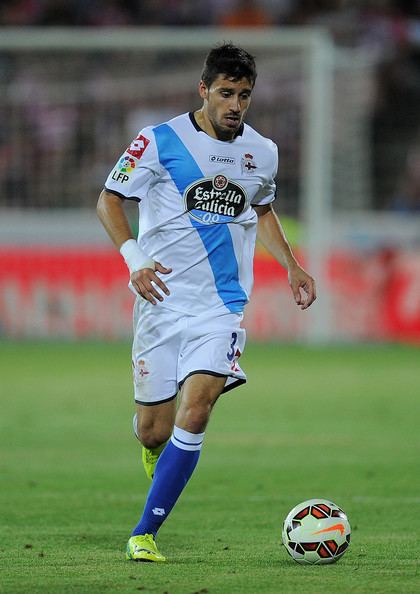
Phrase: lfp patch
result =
(126, 164)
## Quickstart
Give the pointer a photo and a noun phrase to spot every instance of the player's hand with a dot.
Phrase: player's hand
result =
(302, 283)
(146, 282)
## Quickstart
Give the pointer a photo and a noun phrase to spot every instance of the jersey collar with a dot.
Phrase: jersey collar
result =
(199, 129)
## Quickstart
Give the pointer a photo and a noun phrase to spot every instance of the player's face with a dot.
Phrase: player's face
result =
(225, 105)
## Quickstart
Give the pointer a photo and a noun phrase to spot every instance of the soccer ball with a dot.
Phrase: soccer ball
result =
(316, 532)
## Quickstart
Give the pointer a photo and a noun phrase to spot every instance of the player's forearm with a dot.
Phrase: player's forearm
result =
(111, 213)
(271, 234)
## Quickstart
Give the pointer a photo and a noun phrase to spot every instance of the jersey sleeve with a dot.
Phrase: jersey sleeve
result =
(136, 169)
(267, 193)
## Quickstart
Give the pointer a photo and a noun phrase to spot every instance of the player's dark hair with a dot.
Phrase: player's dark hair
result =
(231, 61)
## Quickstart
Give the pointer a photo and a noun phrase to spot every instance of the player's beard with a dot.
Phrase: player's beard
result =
(223, 131)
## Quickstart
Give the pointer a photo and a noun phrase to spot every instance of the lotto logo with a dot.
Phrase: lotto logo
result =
(138, 146)
(222, 160)
(158, 511)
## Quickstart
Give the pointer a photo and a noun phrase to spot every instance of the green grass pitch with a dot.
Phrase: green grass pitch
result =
(339, 423)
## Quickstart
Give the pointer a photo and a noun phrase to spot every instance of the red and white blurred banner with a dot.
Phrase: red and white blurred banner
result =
(71, 293)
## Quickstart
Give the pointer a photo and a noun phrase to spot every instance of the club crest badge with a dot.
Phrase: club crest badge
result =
(140, 371)
(248, 164)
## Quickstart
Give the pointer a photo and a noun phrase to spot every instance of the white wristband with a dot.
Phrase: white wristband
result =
(134, 256)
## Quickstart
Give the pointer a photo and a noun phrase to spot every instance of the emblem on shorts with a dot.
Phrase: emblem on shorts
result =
(215, 199)
(141, 367)
(140, 371)
(234, 365)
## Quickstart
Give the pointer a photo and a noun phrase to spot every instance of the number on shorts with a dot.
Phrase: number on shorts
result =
(230, 355)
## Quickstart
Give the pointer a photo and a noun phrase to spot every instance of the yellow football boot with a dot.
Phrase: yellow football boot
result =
(143, 548)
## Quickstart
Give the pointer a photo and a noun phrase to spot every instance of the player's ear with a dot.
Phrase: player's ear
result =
(203, 90)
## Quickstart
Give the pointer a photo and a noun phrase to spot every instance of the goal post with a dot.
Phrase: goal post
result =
(317, 179)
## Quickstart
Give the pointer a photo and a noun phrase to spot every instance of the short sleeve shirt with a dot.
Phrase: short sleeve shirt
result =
(195, 196)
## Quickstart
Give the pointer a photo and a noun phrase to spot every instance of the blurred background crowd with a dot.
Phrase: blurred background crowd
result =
(390, 21)
(388, 29)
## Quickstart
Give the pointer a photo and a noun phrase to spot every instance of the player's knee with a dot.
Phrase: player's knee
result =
(194, 418)
(152, 437)
(152, 440)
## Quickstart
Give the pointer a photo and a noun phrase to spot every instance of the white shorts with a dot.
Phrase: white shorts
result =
(168, 347)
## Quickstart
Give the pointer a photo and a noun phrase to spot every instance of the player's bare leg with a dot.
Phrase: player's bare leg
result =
(199, 394)
(155, 423)
(153, 426)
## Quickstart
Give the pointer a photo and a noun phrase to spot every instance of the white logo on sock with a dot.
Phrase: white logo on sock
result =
(158, 511)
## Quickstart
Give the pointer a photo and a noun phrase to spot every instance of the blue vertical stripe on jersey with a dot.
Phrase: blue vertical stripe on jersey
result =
(217, 240)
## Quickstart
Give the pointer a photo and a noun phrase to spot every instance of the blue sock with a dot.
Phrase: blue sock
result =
(173, 470)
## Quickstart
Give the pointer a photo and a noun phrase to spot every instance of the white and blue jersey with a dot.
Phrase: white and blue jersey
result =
(195, 197)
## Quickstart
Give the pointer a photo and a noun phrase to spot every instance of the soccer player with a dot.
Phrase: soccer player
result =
(205, 185)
